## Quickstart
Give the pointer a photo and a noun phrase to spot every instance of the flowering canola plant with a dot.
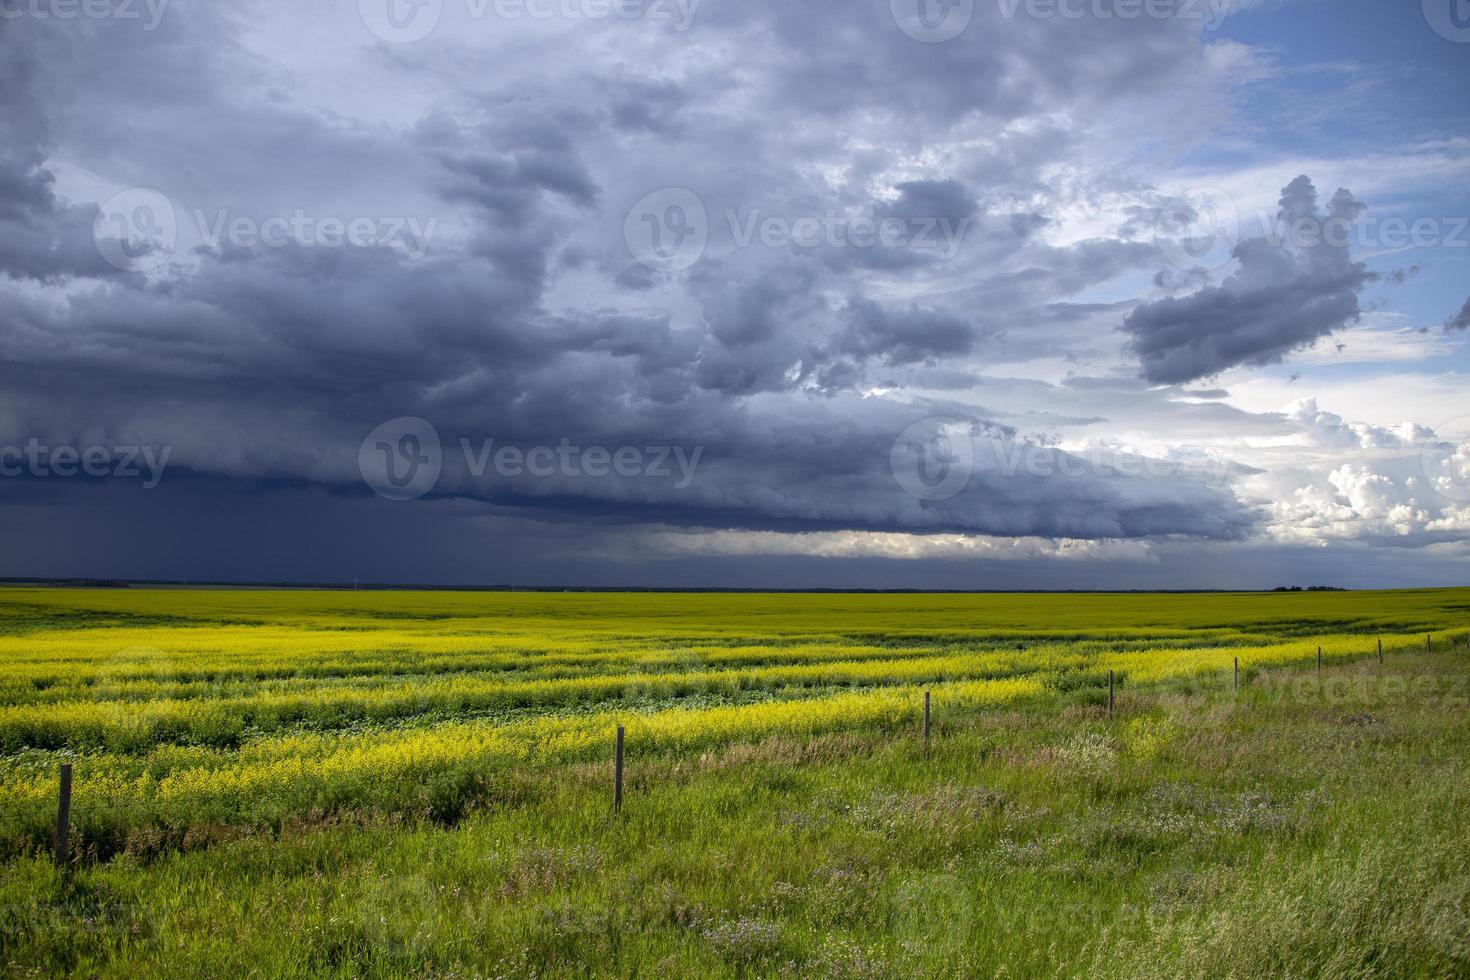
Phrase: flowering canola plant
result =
(190, 708)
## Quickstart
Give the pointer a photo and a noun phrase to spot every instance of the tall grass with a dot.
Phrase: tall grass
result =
(1304, 827)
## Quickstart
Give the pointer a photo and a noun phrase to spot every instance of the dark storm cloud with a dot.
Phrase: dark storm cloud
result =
(526, 322)
(41, 237)
(520, 159)
(25, 183)
(648, 105)
(904, 336)
(636, 278)
(803, 463)
(1279, 300)
(242, 530)
(948, 199)
(757, 328)
(51, 245)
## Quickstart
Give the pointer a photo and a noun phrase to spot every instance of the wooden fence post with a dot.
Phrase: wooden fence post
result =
(1380, 649)
(1428, 645)
(1319, 660)
(618, 773)
(63, 816)
(1110, 694)
(926, 719)
(1237, 673)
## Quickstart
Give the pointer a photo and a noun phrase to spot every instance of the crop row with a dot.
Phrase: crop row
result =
(434, 770)
(326, 769)
(127, 726)
(128, 664)
(132, 725)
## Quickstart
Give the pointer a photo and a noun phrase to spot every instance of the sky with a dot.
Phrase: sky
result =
(939, 294)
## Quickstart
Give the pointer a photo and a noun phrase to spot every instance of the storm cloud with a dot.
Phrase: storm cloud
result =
(872, 261)
(1284, 296)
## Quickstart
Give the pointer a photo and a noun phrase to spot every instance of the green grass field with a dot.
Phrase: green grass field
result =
(411, 784)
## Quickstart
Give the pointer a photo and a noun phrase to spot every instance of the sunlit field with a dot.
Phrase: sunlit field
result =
(393, 783)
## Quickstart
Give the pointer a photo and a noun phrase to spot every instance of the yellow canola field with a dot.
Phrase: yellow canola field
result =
(180, 708)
